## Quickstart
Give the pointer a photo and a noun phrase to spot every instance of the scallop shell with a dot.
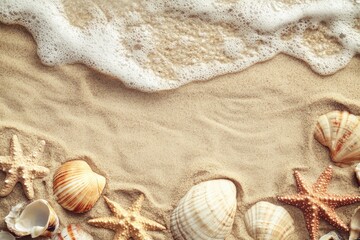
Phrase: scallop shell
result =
(6, 236)
(76, 187)
(340, 132)
(73, 232)
(355, 225)
(36, 219)
(266, 221)
(207, 211)
(331, 236)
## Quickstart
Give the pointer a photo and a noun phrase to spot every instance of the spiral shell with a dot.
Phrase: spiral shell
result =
(340, 132)
(36, 219)
(6, 236)
(331, 236)
(76, 187)
(266, 221)
(207, 211)
(73, 232)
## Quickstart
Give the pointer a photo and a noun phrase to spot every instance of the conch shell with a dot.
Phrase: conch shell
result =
(331, 236)
(355, 225)
(73, 232)
(206, 212)
(340, 132)
(266, 221)
(76, 187)
(36, 219)
(6, 236)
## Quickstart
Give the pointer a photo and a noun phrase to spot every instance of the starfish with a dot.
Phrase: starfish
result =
(128, 224)
(316, 203)
(20, 168)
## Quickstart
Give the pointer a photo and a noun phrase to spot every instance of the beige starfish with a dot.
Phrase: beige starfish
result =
(20, 168)
(316, 202)
(128, 224)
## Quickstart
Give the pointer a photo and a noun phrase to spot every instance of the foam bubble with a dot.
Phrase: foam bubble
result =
(155, 45)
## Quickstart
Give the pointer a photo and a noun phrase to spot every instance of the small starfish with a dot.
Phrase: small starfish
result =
(316, 203)
(128, 224)
(20, 168)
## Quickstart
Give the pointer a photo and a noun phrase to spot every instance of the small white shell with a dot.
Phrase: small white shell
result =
(355, 225)
(206, 212)
(340, 132)
(357, 172)
(76, 187)
(36, 219)
(266, 221)
(331, 236)
(6, 236)
(73, 232)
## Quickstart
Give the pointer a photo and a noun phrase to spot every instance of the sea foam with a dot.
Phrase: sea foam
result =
(155, 45)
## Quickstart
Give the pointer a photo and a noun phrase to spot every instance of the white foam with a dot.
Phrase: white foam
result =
(157, 45)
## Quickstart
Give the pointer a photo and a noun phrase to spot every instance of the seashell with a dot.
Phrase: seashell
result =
(340, 132)
(266, 221)
(331, 236)
(36, 219)
(73, 232)
(6, 236)
(357, 172)
(207, 211)
(76, 187)
(355, 225)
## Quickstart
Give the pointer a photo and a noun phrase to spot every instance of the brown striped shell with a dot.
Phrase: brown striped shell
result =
(340, 132)
(73, 232)
(76, 187)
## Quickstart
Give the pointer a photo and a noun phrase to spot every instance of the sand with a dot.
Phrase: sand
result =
(254, 127)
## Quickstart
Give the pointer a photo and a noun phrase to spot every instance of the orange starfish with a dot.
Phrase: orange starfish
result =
(316, 203)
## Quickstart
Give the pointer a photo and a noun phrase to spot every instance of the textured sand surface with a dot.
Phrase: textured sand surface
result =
(253, 127)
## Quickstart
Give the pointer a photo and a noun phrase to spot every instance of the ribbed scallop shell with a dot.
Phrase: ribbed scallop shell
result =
(76, 187)
(266, 221)
(206, 212)
(73, 232)
(340, 132)
(6, 236)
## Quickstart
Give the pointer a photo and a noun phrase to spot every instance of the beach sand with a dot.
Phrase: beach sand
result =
(254, 127)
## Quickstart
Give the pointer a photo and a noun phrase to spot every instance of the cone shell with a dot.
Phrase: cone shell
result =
(355, 225)
(36, 219)
(6, 236)
(266, 221)
(76, 187)
(340, 132)
(331, 236)
(207, 211)
(73, 232)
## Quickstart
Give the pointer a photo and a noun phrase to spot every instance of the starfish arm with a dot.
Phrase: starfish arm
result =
(10, 182)
(300, 183)
(116, 208)
(108, 222)
(15, 147)
(5, 163)
(336, 201)
(39, 172)
(149, 225)
(38, 150)
(136, 206)
(28, 188)
(121, 235)
(330, 216)
(312, 220)
(294, 200)
(323, 181)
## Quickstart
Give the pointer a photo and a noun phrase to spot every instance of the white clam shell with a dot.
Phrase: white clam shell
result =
(340, 132)
(355, 225)
(331, 236)
(6, 236)
(266, 221)
(207, 211)
(73, 232)
(76, 187)
(36, 219)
